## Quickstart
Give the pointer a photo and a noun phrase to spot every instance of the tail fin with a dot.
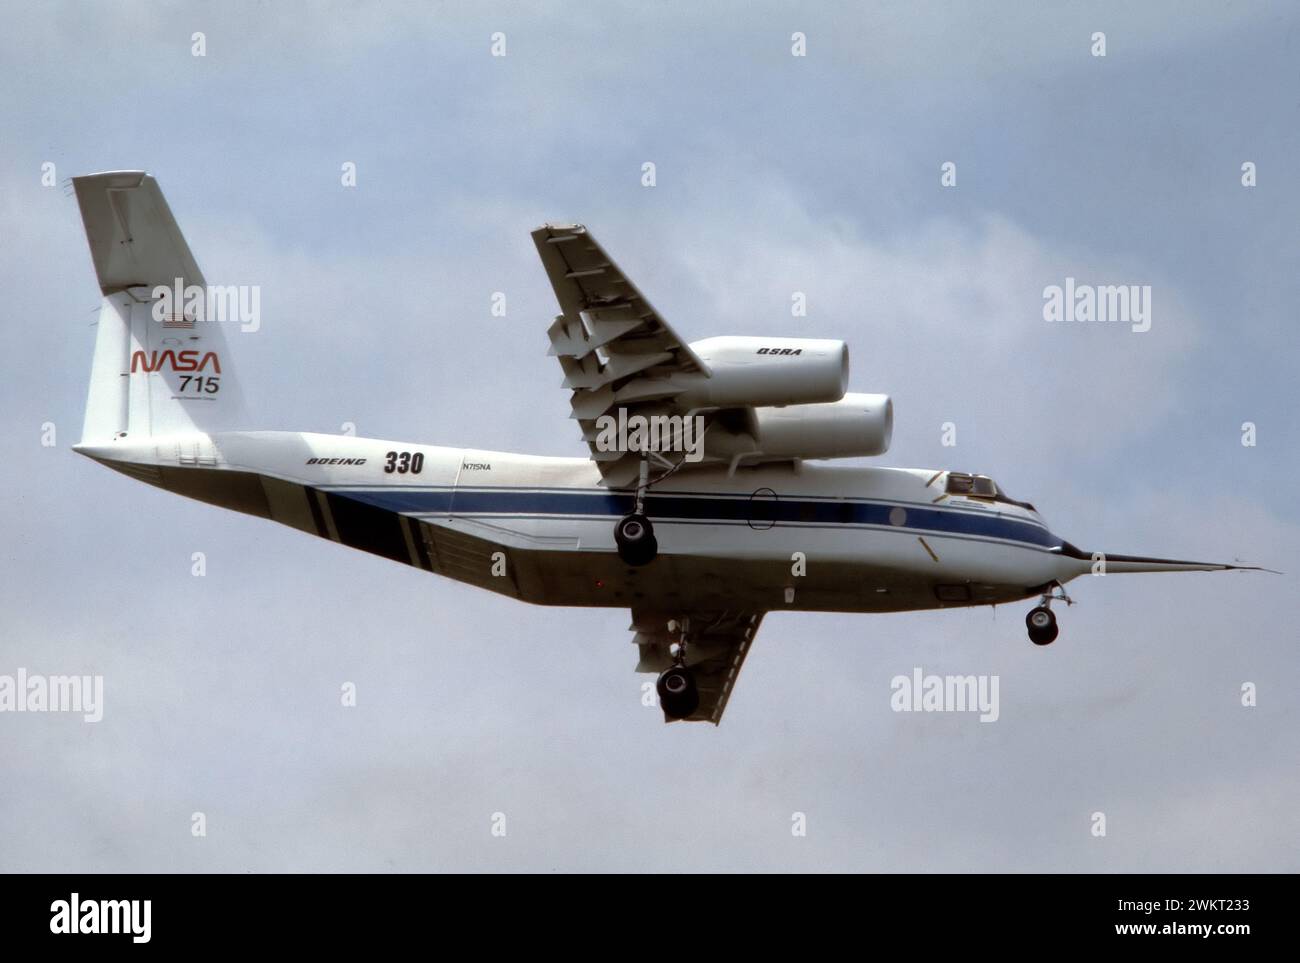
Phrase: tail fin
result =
(159, 369)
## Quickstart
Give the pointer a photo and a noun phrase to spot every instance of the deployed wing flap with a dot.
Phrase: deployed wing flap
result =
(716, 646)
(610, 341)
(577, 338)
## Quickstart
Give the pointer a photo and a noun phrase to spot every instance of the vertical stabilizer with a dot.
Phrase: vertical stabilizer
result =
(161, 364)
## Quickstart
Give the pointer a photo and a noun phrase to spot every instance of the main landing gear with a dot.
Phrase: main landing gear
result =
(678, 695)
(1041, 620)
(634, 535)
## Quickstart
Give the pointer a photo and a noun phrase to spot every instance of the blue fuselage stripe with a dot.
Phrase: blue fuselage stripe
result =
(741, 508)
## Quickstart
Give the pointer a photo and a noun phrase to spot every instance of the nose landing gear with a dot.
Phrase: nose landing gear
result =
(1042, 626)
(1041, 620)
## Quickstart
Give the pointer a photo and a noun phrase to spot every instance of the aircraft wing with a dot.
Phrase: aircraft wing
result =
(607, 333)
(716, 646)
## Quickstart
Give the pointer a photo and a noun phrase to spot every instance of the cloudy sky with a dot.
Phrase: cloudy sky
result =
(775, 174)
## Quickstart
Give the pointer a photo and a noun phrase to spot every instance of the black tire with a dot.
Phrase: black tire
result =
(678, 696)
(1041, 623)
(1043, 636)
(636, 541)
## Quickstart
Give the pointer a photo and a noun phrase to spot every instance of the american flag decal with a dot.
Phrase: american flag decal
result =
(178, 321)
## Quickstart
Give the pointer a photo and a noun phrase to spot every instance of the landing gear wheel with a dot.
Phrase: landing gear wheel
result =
(1042, 625)
(636, 541)
(678, 696)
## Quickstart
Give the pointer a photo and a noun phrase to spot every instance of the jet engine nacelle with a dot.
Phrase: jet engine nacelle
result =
(858, 424)
(768, 371)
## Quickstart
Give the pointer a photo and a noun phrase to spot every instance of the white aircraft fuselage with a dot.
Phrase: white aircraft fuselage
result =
(843, 538)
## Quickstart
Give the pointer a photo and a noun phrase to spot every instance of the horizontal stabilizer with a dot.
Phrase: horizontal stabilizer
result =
(134, 240)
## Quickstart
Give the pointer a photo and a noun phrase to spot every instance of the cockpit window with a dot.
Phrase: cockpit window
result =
(976, 486)
(980, 486)
(959, 484)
